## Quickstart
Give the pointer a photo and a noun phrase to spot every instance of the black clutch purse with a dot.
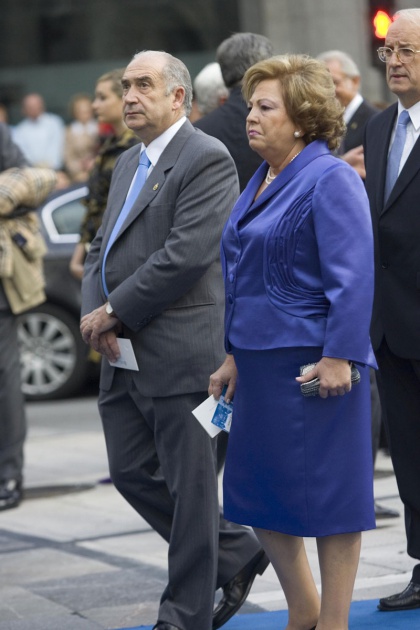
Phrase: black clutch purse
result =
(311, 388)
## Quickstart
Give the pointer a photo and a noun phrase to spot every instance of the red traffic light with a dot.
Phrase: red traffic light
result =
(381, 22)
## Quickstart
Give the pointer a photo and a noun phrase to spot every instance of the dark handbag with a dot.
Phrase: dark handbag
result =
(311, 388)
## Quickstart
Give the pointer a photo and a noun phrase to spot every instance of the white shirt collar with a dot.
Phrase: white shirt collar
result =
(159, 144)
(352, 108)
(414, 112)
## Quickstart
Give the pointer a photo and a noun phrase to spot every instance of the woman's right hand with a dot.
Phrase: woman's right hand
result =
(225, 375)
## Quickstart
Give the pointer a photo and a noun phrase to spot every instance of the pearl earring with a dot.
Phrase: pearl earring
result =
(296, 134)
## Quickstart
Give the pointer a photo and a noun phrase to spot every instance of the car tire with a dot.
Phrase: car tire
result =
(53, 354)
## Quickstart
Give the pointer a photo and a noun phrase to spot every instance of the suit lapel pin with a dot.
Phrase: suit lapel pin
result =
(156, 186)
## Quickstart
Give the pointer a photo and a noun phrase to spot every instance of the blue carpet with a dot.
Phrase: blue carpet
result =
(363, 616)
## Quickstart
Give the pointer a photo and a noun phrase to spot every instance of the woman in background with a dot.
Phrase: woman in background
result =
(107, 107)
(298, 263)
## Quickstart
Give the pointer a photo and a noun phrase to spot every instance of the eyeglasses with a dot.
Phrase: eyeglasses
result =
(404, 55)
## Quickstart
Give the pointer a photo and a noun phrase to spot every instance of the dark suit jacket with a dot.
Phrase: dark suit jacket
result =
(356, 126)
(227, 123)
(163, 270)
(396, 225)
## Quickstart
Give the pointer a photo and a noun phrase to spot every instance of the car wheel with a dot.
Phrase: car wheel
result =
(53, 354)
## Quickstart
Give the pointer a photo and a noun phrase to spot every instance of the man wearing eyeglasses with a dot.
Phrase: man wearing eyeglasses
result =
(392, 157)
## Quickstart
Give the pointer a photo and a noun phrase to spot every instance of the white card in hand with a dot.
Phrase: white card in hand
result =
(204, 414)
(127, 360)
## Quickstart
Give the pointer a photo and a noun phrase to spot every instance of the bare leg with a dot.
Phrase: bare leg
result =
(338, 561)
(288, 557)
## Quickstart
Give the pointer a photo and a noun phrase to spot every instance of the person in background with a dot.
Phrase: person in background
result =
(357, 112)
(297, 253)
(210, 91)
(153, 275)
(107, 107)
(227, 122)
(392, 155)
(40, 135)
(81, 141)
(21, 288)
(12, 417)
(4, 114)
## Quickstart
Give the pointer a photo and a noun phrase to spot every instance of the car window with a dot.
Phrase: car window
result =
(67, 218)
(62, 215)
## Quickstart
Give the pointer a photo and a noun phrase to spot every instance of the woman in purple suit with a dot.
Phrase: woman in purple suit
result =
(298, 264)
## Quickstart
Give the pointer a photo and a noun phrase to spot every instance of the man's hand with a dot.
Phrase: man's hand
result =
(356, 159)
(108, 345)
(225, 375)
(100, 330)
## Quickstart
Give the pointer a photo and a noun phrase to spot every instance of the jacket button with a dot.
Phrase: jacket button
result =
(230, 298)
(231, 277)
(384, 265)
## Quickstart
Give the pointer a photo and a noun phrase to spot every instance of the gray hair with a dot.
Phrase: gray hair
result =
(175, 74)
(239, 52)
(209, 88)
(348, 66)
(413, 15)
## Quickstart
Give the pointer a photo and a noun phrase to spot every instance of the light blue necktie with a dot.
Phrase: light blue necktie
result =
(138, 183)
(395, 154)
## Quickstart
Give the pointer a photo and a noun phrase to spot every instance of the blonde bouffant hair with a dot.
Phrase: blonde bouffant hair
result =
(308, 94)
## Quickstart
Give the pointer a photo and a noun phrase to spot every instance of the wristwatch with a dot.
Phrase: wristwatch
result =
(109, 310)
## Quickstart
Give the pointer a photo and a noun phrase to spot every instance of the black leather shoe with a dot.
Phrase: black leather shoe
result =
(408, 599)
(10, 494)
(236, 591)
(163, 625)
(385, 512)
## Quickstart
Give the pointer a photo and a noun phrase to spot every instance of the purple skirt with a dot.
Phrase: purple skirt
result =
(296, 465)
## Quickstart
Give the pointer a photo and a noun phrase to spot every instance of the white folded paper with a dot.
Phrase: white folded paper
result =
(127, 360)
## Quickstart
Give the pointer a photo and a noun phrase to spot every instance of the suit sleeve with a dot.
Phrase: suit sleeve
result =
(203, 194)
(344, 235)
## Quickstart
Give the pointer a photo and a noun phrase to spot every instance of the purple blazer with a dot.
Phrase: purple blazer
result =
(298, 261)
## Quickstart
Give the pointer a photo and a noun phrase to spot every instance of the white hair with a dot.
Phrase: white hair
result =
(348, 66)
(209, 88)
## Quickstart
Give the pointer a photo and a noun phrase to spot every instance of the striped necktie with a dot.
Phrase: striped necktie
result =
(138, 183)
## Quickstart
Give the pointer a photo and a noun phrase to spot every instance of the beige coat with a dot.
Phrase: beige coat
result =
(22, 246)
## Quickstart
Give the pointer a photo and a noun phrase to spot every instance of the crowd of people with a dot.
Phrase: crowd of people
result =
(312, 193)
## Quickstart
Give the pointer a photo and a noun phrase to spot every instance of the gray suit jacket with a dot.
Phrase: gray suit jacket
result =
(163, 271)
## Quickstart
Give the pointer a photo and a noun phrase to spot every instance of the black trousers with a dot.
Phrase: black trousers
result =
(12, 412)
(400, 392)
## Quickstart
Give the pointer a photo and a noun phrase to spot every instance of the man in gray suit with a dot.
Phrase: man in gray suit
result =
(156, 282)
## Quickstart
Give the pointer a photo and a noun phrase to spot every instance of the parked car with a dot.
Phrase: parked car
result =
(55, 360)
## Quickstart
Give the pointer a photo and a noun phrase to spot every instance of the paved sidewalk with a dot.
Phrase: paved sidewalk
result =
(75, 556)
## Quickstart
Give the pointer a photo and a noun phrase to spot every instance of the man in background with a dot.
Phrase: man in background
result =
(12, 414)
(357, 110)
(40, 135)
(227, 123)
(210, 91)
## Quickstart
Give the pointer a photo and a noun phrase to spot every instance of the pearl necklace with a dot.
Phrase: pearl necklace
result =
(269, 178)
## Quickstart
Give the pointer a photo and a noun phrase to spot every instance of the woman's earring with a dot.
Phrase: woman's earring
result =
(296, 134)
